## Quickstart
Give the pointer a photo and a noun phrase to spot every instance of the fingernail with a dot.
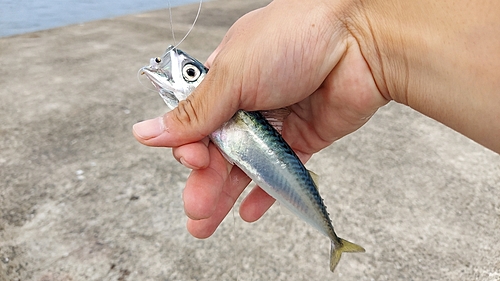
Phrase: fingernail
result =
(150, 128)
(183, 162)
(186, 164)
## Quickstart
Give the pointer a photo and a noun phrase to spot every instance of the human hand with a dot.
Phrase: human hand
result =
(288, 54)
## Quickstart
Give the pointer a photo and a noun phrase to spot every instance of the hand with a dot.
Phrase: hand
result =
(333, 63)
(288, 54)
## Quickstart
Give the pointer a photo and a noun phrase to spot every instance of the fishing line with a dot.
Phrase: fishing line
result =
(139, 73)
(171, 22)
(192, 26)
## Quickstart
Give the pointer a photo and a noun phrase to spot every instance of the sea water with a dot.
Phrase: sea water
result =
(21, 16)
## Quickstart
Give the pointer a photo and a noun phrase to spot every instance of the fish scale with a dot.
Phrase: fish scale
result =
(250, 142)
(291, 183)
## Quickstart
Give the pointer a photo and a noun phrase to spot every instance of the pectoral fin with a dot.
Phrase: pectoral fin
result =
(275, 117)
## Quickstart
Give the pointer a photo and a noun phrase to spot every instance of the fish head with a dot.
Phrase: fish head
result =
(175, 75)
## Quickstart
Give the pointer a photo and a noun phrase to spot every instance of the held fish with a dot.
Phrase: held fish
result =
(250, 142)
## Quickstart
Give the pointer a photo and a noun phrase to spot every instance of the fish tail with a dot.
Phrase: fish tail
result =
(340, 246)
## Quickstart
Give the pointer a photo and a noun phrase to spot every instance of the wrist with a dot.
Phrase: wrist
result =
(379, 30)
(438, 57)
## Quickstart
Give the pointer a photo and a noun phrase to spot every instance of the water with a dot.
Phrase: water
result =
(21, 16)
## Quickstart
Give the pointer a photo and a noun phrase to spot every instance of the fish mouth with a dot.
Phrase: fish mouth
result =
(157, 79)
(163, 85)
(159, 72)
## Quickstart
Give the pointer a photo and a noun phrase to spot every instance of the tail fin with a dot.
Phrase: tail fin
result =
(338, 248)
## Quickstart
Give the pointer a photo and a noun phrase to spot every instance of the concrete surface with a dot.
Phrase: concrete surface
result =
(81, 200)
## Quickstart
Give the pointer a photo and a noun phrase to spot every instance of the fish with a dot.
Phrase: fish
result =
(249, 141)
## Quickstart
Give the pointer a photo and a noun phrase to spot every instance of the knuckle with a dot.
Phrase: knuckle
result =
(186, 113)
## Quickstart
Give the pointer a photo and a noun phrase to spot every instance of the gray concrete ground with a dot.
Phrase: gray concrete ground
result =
(81, 200)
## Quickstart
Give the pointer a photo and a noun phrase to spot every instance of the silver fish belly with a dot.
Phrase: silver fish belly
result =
(250, 142)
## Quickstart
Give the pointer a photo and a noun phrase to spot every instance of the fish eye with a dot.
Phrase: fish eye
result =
(190, 72)
(157, 59)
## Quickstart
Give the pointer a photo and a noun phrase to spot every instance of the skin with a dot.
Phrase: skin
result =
(333, 64)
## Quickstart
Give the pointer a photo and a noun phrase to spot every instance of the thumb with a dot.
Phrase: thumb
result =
(213, 102)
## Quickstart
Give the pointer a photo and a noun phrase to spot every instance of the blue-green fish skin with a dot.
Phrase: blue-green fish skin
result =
(251, 143)
(248, 141)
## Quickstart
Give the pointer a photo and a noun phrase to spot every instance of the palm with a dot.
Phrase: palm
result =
(347, 98)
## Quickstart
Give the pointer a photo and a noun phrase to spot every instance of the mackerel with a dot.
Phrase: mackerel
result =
(250, 142)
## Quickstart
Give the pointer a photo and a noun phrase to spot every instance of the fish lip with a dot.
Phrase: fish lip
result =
(163, 85)
(159, 82)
